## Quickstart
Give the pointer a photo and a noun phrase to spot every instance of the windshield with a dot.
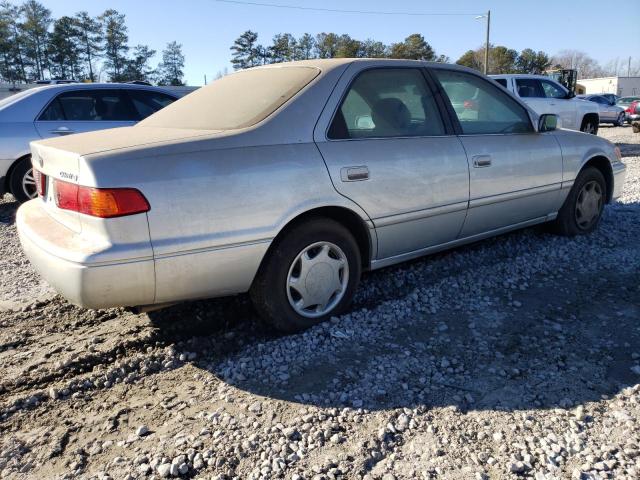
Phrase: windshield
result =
(235, 101)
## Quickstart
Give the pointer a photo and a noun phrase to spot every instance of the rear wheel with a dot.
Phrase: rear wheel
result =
(620, 120)
(583, 207)
(22, 183)
(309, 275)
(589, 125)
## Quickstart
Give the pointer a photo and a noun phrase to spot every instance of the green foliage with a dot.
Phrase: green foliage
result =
(12, 66)
(115, 43)
(506, 60)
(35, 33)
(170, 70)
(530, 61)
(246, 51)
(137, 68)
(414, 47)
(90, 40)
(64, 49)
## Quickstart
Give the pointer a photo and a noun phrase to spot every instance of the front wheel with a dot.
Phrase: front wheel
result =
(22, 183)
(582, 210)
(589, 125)
(308, 276)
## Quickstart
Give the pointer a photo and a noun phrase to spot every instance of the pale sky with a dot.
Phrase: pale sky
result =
(207, 28)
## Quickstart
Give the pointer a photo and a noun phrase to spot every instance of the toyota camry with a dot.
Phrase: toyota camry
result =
(288, 181)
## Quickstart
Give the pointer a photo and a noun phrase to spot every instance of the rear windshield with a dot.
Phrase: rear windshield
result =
(235, 101)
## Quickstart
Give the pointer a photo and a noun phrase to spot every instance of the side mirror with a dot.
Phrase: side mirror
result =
(547, 122)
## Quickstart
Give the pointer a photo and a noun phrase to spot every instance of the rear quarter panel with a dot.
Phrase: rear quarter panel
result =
(214, 212)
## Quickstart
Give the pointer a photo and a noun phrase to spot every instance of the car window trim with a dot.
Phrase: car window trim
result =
(421, 70)
(502, 91)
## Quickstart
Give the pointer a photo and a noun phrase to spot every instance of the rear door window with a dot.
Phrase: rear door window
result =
(147, 102)
(387, 102)
(529, 88)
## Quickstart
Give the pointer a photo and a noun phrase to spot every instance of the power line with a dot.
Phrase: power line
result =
(337, 10)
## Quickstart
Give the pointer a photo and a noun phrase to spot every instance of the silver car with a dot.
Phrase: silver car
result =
(289, 180)
(59, 110)
(609, 111)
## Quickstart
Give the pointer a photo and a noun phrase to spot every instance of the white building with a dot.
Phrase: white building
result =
(622, 86)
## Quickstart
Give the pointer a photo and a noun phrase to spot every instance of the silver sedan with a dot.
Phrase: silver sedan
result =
(608, 110)
(289, 180)
(59, 110)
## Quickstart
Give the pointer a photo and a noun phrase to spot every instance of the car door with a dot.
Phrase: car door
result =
(387, 148)
(515, 172)
(85, 110)
(533, 91)
(611, 113)
(564, 107)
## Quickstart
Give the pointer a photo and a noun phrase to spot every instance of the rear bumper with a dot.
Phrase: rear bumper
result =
(57, 253)
(619, 174)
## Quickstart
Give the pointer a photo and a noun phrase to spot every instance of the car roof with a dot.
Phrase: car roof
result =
(84, 86)
(520, 75)
(326, 64)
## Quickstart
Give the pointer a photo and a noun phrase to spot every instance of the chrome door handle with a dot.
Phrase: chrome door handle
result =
(354, 174)
(480, 161)
(62, 131)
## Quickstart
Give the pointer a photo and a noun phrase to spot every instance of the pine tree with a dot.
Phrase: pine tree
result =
(35, 30)
(90, 38)
(304, 47)
(138, 67)
(64, 49)
(115, 43)
(246, 51)
(170, 70)
(283, 48)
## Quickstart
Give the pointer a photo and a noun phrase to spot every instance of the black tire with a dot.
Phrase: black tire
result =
(269, 290)
(569, 221)
(22, 168)
(589, 125)
(620, 120)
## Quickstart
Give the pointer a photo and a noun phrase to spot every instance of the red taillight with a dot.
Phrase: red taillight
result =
(469, 104)
(41, 182)
(99, 202)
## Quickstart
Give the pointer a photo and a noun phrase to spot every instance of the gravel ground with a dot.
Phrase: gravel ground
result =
(516, 357)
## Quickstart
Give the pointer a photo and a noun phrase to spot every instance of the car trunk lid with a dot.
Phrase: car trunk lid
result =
(63, 159)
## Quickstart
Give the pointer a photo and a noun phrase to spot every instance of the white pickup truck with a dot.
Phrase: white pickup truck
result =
(545, 95)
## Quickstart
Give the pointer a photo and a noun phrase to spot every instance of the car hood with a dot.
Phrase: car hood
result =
(120, 138)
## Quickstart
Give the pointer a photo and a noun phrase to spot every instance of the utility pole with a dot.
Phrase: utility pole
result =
(486, 47)
(629, 68)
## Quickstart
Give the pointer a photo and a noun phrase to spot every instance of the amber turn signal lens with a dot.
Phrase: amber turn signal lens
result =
(100, 202)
